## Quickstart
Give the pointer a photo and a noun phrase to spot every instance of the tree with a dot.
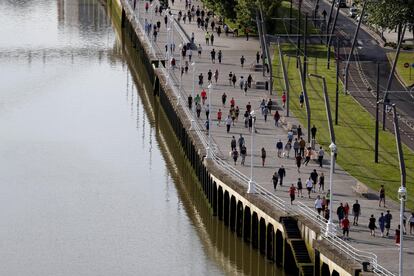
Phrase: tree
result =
(391, 14)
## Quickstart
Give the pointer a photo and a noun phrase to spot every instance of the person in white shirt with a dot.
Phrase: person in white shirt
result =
(309, 186)
(318, 204)
(321, 153)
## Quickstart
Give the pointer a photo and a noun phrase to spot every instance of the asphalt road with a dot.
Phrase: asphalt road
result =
(362, 79)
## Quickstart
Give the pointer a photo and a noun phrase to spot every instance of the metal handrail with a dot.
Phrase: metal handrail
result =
(300, 208)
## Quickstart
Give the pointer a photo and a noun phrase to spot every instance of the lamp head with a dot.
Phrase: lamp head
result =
(333, 148)
(402, 193)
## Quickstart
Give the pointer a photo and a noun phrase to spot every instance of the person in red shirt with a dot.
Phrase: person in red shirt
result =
(345, 227)
(219, 114)
(292, 191)
(397, 235)
(232, 102)
(203, 96)
(284, 99)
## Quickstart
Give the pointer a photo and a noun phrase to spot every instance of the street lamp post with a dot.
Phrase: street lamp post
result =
(209, 156)
(402, 192)
(193, 64)
(332, 147)
(252, 185)
(181, 74)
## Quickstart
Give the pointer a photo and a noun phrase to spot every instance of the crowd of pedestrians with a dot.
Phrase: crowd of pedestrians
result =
(293, 148)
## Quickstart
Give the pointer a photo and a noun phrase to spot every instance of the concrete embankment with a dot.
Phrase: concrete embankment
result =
(287, 239)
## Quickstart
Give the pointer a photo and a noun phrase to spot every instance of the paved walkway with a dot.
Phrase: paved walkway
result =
(268, 135)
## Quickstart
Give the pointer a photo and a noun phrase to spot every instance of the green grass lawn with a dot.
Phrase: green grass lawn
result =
(282, 26)
(355, 131)
(404, 73)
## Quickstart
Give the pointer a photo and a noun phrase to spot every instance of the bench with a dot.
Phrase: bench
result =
(260, 85)
(257, 67)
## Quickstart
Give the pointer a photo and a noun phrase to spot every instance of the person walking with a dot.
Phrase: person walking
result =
(207, 110)
(190, 102)
(302, 145)
(263, 156)
(284, 99)
(232, 102)
(207, 37)
(224, 99)
(279, 147)
(213, 56)
(345, 227)
(296, 147)
(219, 56)
(397, 235)
(299, 131)
(411, 221)
(241, 82)
(340, 212)
(299, 186)
(290, 135)
(292, 191)
(233, 143)
(249, 81)
(298, 160)
(309, 186)
(233, 80)
(235, 155)
(314, 176)
(381, 196)
(308, 156)
(212, 39)
(321, 183)
(228, 123)
(318, 204)
(257, 57)
(199, 50)
(216, 75)
(276, 117)
(288, 147)
(198, 110)
(346, 209)
(356, 211)
(371, 225)
(200, 79)
(282, 173)
(301, 99)
(242, 60)
(313, 132)
(265, 113)
(190, 54)
(275, 179)
(388, 218)
(321, 153)
(240, 141)
(203, 96)
(381, 222)
(219, 116)
(209, 76)
(243, 153)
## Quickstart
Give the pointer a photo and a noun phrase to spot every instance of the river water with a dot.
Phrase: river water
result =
(88, 182)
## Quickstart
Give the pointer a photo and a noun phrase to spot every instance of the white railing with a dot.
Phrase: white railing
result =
(332, 237)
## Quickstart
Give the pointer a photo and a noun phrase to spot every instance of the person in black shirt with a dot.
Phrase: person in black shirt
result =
(356, 211)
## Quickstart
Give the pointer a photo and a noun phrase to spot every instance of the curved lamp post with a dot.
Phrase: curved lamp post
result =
(252, 185)
(209, 155)
(332, 147)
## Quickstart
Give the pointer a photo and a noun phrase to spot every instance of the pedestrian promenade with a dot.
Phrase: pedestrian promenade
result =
(268, 134)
